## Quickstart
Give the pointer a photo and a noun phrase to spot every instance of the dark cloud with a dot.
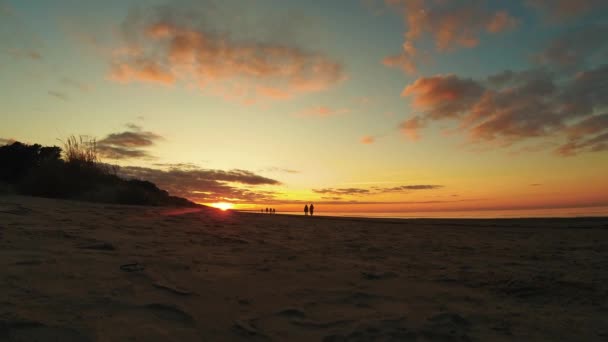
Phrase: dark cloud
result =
(512, 107)
(412, 187)
(127, 144)
(59, 95)
(206, 185)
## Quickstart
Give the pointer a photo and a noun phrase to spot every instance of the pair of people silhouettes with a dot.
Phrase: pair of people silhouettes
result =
(308, 209)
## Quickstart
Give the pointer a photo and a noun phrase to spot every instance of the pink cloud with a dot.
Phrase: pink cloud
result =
(322, 112)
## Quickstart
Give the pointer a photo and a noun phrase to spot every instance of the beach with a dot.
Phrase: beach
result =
(75, 271)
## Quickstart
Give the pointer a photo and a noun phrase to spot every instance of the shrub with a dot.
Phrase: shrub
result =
(40, 171)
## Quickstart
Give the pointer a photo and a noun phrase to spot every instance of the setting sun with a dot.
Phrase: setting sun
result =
(223, 205)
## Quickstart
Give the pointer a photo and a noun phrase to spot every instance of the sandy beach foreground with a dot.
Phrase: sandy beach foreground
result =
(74, 271)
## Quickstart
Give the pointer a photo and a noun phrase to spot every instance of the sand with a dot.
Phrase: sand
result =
(73, 271)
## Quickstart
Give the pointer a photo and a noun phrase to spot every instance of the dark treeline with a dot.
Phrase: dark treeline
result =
(74, 172)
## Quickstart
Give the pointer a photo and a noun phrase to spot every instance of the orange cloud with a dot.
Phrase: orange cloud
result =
(141, 70)
(450, 24)
(321, 111)
(411, 128)
(443, 95)
(170, 48)
(368, 139)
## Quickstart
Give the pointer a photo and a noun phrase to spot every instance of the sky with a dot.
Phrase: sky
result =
(372, 105)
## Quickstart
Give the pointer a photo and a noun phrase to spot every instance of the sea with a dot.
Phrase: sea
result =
(486, 214)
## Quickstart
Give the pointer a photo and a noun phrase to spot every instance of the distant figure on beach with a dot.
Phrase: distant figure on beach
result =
(306, 210)
(312, 209)
(274, 211)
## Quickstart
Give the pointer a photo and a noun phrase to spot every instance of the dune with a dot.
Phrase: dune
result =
(73, 271)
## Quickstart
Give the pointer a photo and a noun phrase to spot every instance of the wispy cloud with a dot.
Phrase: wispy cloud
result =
(26, 53)
(322, 112)
(576, 48)
(451, 24)
(374, 190)
(66, 81)
(60, 95)
(280, 170)
(342, 191)
(566, 9)
(411, 128)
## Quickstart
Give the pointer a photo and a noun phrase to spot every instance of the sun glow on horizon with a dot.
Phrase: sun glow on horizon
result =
(222, 205)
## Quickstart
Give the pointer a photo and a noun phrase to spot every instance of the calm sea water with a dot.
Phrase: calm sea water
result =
(528, 213)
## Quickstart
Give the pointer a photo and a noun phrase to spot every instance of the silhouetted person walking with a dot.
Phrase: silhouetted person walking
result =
(312, 209)
(306, 210)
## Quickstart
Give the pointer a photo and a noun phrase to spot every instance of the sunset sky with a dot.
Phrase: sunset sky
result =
(396, 105)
